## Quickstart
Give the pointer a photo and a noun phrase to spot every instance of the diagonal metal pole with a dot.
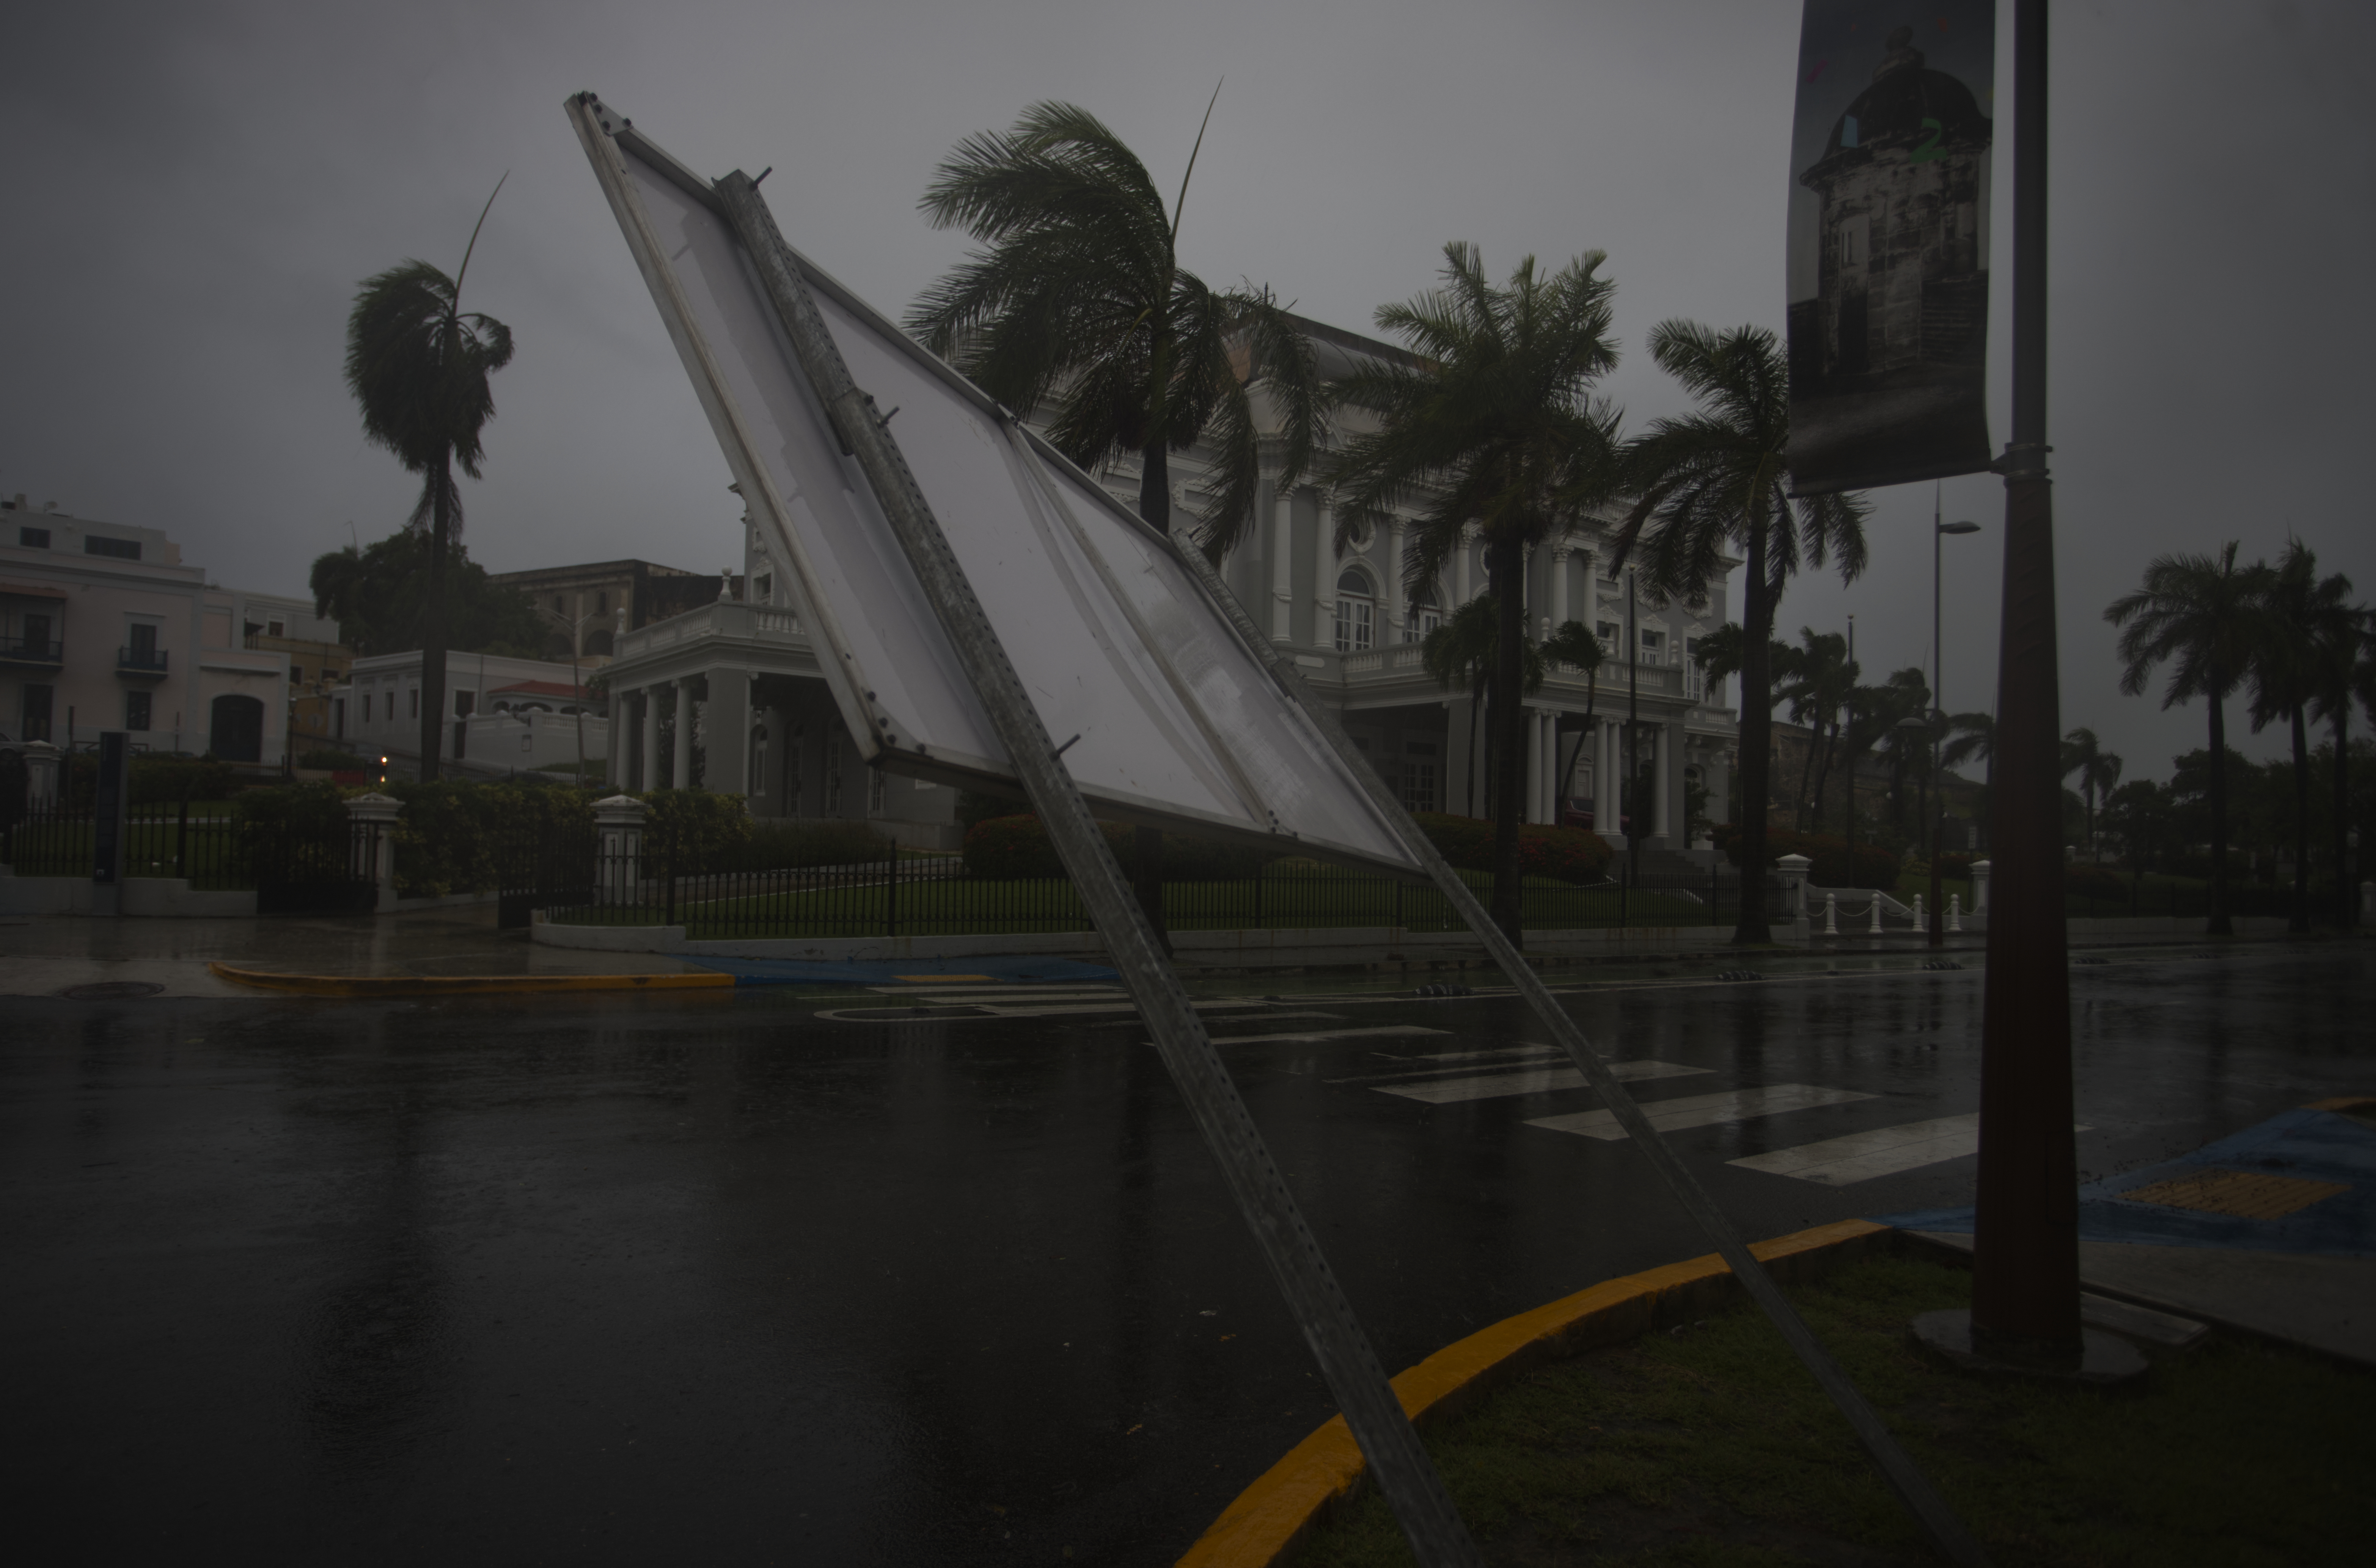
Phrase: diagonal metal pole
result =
(1897, 1468)
(1405, 1476)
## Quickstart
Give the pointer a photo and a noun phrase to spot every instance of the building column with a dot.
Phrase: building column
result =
(647, 765)
(1606, 809)
(614, 766)
(1324, 577)
(1558, 585)
(1534, 764)
(1397, 603)
(1282, 566)
(1663, 753)
(1460, 570)
(1718, 775)
(680, 771)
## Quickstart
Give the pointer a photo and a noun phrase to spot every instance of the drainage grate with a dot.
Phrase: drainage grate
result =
(1443, 991)
(2247, 1194)
(1741, 975)
(112, 991)
(1941, 963)
(2083, 959)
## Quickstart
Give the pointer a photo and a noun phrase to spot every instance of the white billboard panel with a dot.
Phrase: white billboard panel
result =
(1177, 721)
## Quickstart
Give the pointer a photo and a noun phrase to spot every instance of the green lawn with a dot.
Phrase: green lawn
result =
(1712, 1446)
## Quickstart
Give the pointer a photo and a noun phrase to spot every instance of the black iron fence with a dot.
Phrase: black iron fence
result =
(325, 870)
(673, 882)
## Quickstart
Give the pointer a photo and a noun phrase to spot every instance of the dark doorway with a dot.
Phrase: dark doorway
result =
(237, 733)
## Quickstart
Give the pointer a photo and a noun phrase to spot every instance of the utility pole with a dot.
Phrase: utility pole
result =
(2026, 1257)
(1848, 743)
(1934, 793)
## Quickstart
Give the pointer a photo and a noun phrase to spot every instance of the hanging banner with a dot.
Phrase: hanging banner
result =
(1889, 243)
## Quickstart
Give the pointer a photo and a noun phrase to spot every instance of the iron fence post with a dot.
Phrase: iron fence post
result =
(891, 895)
(668, 911)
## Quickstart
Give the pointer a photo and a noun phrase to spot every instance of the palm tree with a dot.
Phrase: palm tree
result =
(1459, 652)
(1077, 296)
(1879, 714)
(2199, 614)
(2340, 658)
(2290, 672)
(419, 364)
(1494, 425)
(1573, 644)
(1714, 481)
(2097, 769)
(1817, 685)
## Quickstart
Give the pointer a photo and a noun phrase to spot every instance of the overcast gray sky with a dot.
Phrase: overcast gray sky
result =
(195, 190)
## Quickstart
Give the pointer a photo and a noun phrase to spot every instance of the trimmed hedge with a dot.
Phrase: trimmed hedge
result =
(1016, 849)
(1571, 854)
(779, 846)
(1874, 867)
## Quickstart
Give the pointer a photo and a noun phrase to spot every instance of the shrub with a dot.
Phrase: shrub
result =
(330, 759)
(157, 780)
(2095, 882)
(710, 832)
(1956, 867)
(1571, 854)
(1010, 849)
(778, 846)
(1873, 866)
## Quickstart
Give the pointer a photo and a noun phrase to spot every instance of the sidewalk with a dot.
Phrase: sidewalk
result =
(2271, 1231)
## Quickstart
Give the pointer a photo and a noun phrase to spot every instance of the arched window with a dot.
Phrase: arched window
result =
(1426, 615)
(1357, 612)
(236, 733)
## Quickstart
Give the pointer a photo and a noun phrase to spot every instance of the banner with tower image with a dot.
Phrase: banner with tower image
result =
(1889, 243)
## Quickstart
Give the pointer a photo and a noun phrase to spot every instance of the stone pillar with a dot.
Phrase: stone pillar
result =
(1792, 871)
(1558, 585)
(726, 749)
(681, 761)
(1398, 602)
(1979, 887)
(647, 762)
(618, 848)
(1605, 767)
(371, 821)
(1534, 764)
(1324, 577)
(1662, 742)
(40, 776)
(1460, 570)
(1282, 566)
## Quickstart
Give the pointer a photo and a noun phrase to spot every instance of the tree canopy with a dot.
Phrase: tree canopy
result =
(380, 593)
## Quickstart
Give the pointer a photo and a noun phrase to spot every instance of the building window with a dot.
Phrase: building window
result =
(136, 711)
(833, 774)
(339, 717)
(36, 726)
(296, 675)
(878, 791)
(1419, 776)
(1653, 645)
(603, 603)
(1426, 615)
(121, 548)
(1607, 632)
(762, 589)
(33, 539)
(792, 750)
(1356, 612)
(275, 628)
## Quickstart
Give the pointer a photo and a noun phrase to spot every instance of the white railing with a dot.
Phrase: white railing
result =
(756, 622)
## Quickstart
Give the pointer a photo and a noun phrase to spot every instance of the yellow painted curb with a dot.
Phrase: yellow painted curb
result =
(461, 985)
(1287, 1500)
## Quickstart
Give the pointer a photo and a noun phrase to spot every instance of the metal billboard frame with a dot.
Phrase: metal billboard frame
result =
(1405, 1477)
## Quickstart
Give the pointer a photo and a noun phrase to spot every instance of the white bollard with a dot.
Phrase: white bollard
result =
(1919, 923)
(1955, 913)
(1979, 887)
(1831, 914)
(619, 845)
(1874, 929)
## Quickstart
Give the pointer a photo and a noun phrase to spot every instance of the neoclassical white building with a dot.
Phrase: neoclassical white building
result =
(764, 726)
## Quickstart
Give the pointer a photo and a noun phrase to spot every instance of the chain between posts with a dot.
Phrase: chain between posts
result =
(1405, 1476)
(1897, 1468)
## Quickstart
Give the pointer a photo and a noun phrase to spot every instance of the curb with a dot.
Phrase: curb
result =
(1270, 1517)
(461, 985)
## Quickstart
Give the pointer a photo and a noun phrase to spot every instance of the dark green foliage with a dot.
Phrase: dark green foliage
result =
(711, 832)
(1571, 854)
(156, 779)
(1873, 866)
(1016, 848)
(1708, 1443)
(379, 595)
(778, 845)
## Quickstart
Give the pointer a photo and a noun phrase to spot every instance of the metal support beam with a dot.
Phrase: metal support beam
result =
(1403, 1473)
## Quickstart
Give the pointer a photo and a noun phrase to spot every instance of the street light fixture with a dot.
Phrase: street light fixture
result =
(1935, 826)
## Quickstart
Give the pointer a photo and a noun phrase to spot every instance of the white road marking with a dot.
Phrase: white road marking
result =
(1478, 1055)
(1379, 1033)
(1703, 1110)
(1885, 1151)
(1532, 1080)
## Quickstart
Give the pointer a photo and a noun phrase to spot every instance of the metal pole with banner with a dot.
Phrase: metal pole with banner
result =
(961, 654)
(1889, 243)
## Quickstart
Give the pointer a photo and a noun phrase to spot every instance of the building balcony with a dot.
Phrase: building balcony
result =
(39, 653)
(141, 663)
(728, 619)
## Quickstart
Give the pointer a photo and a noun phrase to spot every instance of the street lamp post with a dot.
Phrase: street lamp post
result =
(1935, 827)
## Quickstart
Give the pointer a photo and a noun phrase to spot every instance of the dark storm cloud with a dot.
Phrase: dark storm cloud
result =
(196, 190)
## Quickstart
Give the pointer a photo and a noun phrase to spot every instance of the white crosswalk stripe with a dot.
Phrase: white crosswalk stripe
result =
(1703, 1110)
(1382, 1031)
(1885, 1151)
(1531, 1080)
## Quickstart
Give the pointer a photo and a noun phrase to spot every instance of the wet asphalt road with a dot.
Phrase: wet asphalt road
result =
(716, 1279)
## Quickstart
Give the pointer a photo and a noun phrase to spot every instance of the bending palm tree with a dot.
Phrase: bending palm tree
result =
(2287, 669)
(419, 364)
(2196, 613)
(2097, 769)
(1573, 644)
(1711, 481)
(1078, 297)
(2339, 656)
(1817, 685)
(1494, 425)
(1880, 712)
